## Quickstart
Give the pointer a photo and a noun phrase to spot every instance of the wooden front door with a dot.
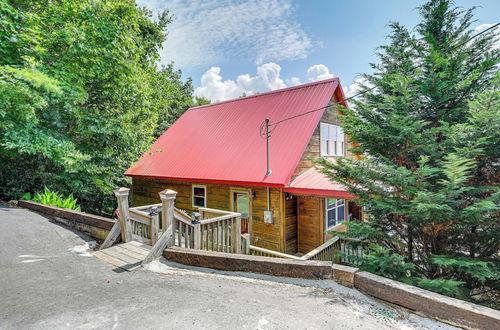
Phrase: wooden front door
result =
(241, 204)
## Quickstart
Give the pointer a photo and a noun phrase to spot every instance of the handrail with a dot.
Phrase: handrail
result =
(139, 209)
(140, 214)
(223, 217)
(140, 218)
(183, 219)
(320, 248)
(207, 209)
(159, 246)
(327, 255)
(145, 206)
(182, 214)
(273, 253)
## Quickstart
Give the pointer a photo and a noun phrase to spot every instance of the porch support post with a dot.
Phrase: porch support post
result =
(246, 242)
(155, 226)
(197, 236)
(122, 198)
(237, 235)
(167, 197)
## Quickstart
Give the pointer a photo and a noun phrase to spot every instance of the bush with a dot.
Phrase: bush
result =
(381, 261)
(53, 198)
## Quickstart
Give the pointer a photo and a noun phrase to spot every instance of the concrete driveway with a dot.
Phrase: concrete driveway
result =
(48, 280)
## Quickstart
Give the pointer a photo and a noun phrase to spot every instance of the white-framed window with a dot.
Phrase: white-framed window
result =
(332, 140)
(199, 196)
(335, 211)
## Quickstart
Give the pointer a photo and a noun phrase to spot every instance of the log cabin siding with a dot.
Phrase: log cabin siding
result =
(290, 224)
(313, 149)
(310, 223)
(218, 196)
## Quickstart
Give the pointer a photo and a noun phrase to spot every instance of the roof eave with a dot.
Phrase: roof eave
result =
(228, 182)
(320, 192)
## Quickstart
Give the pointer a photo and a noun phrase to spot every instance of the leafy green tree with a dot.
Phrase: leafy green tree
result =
(429, 141)
(174, 97)
(79, 96)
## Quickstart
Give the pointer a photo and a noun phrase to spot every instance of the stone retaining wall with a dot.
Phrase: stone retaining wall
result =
(431, 304)
(93, 225)
(252, 264)
(443, 308)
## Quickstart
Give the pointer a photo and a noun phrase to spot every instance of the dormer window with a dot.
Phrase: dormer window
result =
(332, 140)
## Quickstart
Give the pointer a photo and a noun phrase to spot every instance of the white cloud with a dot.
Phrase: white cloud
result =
(215, 88)
(318, 72)
(294, 81)
(206, 32)
(356, 86)
(483, 27)
(268, 78)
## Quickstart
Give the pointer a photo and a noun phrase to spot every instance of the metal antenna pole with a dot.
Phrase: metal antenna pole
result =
(268, 172)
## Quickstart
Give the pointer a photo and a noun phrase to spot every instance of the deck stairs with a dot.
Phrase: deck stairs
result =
(125, 256)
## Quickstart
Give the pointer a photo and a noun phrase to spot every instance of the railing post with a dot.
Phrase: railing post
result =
(246, 242)
(337, 249)
(197, 236)
(122, 198)
(155, 226)
(167, 197)
(237, 236)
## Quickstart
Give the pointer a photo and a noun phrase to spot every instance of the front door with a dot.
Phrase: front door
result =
(241, 204)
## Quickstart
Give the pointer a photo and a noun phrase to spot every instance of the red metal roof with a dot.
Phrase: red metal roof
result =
(220, 142)
(313, 182)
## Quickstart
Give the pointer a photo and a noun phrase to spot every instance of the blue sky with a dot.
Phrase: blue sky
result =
(232, 47)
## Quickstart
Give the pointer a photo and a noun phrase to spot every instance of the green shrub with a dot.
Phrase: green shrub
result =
(381, 261)
(444, 286)
(53, 198)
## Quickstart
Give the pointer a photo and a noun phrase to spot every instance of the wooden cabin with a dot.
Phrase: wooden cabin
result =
(216, 156)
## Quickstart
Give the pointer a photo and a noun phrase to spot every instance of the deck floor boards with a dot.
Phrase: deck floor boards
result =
(127, 256)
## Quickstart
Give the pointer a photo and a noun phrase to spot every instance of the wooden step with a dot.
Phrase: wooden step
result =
(126, 256)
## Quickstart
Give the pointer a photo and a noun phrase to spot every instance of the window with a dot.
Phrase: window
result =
(332, 140)
(335, 211)
(199, 196)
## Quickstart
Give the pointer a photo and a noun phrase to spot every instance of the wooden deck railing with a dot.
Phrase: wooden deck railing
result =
(216, 230)
(258, 251)
(209, 213)
(183, 230)
(351, 247)
(328, 251)
(331, 250)
(144, 223)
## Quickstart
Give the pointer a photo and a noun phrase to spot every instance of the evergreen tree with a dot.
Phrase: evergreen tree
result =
(429, 141)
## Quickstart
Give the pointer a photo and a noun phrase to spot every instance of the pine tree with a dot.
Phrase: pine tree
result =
(429, 141)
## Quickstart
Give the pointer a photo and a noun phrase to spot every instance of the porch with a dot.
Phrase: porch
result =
(292, 220)
(158, 226)
(318, 207)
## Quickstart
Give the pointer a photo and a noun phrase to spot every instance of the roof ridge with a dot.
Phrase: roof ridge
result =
(286, 89)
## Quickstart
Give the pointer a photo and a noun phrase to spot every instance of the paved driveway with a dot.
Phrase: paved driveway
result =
(49, 281)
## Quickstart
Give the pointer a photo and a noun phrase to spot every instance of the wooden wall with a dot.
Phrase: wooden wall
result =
(291, 224)
(310, 223)
(266, 235)
(313, 151)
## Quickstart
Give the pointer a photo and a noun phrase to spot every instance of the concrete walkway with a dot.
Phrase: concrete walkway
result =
(50, 281)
